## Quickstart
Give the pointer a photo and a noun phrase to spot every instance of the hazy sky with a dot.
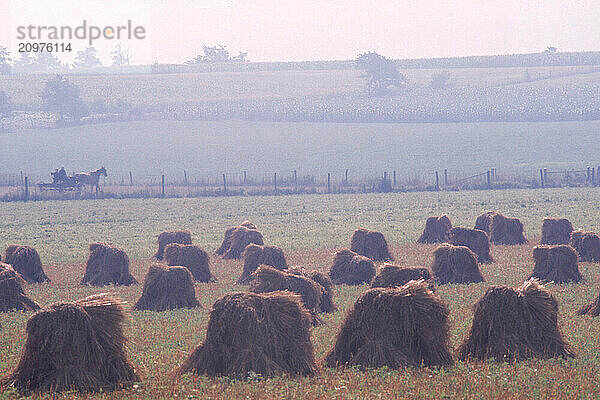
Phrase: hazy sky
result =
(320, 30)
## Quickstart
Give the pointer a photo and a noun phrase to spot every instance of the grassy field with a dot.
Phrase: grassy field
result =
(309, 229)
(147, 89)
(206, 149)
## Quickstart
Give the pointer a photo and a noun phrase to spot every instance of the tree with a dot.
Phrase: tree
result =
(87, 58)
(62, 97)
(381, 73)
(217, 54)
(4, 61)
(5, 107)
(120, 57)
(46, 61)
(440, 80)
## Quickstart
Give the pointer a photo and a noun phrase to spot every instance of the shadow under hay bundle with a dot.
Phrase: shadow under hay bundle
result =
(592, 309)
(26, 261)
(351, 269)
(475, 239)
(167, 288)
(228, 235)
(436, 230)
(370, 244)
(74, 346)
(556, 231)
(326, 305)
(268, 279)
(501, 229)
(192, 257)
(395, 276)
(587, 245)
(12, 296)
(394, 327)
(455, 264)
(107, 265)
(556, 264)
(256, 255)
(266, 334)
(514, 325)
(168, 237)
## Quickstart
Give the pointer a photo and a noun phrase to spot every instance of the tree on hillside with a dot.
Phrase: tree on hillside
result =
(62, 97)
(4, 60)
(44, 61)
(217, 54)
(87, 58)
(381, 73)
(120, 56)
(5, 107)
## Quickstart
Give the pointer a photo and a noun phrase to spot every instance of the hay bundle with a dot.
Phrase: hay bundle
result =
(74, 346)
(228, 234)
(370, 244)
(501, 229)
(394, 276)
(266, 334)
(326, 305)
(394, 327)
(556, 264)
(168, 237)
(12, 296)
(167, 288)
(513, 325)
(475, 239)
(455, 264)
(26, 261)
(241, 237)
(556, 231)
(107, 265)
(268, 279)
(587, 245)
(436, 230)
(351, 269)
(192, 257)
(256, 255)
(592, 309)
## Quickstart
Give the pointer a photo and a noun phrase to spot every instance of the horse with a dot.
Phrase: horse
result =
(92, 178)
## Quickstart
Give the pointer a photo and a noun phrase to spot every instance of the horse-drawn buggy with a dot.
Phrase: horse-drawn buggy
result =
(62, 182)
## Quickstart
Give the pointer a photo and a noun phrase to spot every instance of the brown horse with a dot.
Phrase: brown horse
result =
(92, 178)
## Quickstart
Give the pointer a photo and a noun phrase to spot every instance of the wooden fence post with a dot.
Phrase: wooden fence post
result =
(346, 179)
(328, 182)
(489, 179)
(589, 175)
(445, 177)
(244, 178)
(22, 181)
(275, 182)
(394, 178)
(542, 178)
(437, 181)
(162, 186)
(295, 178)
(185, 181)
(224, 184)
(593, 182)
(26, 194)
(130, 179)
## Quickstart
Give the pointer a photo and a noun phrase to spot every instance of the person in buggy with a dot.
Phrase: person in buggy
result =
(59, 175)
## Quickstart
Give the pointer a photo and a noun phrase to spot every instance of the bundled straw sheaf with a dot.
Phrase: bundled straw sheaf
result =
(326, 305)
(501, 229)
(168, 237)
(394, 276)
(370, 244)
(26, 261)
(394, 327)
(228, 235)
(192, 257)
(256, 255)
(266, 334)
(241, 237)
(513, 325)
(74, 346)
(556, 264)
(107, 265)
(455, 264)
(587, 245)
(12, 296)
(475, 239)
(556, 231)
(351, 269)
(268, 279)
(167, 288)
(436, 230)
